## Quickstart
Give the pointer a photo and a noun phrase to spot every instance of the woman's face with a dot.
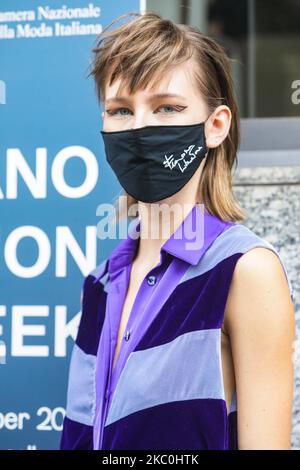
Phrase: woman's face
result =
(174, 99)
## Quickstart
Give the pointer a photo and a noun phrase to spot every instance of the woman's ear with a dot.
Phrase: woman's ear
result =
(217, 126)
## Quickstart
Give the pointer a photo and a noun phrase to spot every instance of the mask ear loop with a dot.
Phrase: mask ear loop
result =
(204, 133)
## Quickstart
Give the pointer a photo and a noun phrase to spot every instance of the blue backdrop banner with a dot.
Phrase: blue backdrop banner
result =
(53, 176)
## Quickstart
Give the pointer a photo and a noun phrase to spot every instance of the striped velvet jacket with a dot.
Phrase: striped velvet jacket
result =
(167, 389)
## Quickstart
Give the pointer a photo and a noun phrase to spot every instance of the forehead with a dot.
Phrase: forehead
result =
(179, 80)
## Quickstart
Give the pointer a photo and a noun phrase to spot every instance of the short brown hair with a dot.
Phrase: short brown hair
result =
(140, 51)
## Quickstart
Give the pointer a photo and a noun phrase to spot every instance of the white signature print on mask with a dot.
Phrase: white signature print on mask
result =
(181, 162)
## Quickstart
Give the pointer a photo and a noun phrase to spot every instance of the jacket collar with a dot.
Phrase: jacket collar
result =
(189, 242)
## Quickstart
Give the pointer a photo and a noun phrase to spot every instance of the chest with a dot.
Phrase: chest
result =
(136, 279)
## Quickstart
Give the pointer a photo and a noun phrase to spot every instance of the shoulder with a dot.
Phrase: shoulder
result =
(260, 296)
(256, 254)
(235, 239)
(238, 243)
(260, 270)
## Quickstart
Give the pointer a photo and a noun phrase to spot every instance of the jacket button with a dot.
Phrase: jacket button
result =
(127, 335)
(151, 280)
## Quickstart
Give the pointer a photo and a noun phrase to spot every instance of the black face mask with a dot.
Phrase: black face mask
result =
(155, 162)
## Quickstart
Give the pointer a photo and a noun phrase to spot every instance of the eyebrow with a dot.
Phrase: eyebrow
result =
(120, 99)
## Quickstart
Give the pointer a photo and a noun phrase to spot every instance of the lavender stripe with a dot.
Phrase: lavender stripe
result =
(236, 239)
(81, 387)
(183, 369)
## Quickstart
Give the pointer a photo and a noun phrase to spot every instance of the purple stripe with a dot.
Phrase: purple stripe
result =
(76, 436)
(199, 424)
(92, 316)
(193, 305)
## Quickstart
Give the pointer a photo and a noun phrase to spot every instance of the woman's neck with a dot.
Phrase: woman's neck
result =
(157, 223)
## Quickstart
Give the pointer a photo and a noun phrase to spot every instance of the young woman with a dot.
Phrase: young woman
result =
(186, 338)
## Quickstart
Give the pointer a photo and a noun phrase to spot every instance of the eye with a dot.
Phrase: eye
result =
(113, 112)
(171, 108)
